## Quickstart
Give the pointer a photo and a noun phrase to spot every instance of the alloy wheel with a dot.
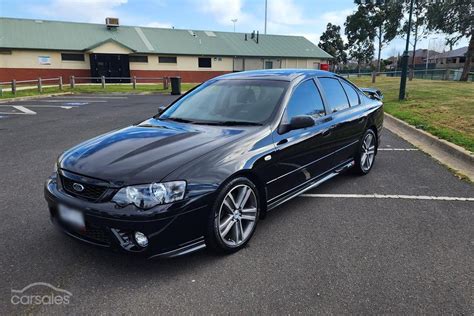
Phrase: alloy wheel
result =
(237, 215)
(368, 152)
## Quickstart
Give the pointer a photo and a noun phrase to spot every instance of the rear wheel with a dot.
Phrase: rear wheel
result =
(234, 216)
(366, 155)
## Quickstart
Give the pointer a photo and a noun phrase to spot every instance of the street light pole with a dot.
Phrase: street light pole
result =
(403, 79)
(265, 31)
(234, 21)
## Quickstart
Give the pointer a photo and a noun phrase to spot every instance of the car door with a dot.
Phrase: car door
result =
(298, 151)
(345, 125)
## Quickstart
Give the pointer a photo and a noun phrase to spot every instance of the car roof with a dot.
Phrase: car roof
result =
(276, 74)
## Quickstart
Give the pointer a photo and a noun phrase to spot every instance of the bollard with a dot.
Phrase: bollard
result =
(134, 82)
(175, 85)
(373, 76)
(14, 86)
(165, 83)
(40, 85)
(72, 82)
(411, 73)
(102, 80)
(61, 83)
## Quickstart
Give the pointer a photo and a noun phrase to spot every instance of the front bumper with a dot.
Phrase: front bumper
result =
(172, 229)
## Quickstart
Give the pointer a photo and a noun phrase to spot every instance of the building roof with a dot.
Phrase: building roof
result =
(460, 52)
(421, 52)
(57, 35)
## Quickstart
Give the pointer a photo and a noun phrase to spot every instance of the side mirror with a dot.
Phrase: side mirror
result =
(297, 122)
(161, 109)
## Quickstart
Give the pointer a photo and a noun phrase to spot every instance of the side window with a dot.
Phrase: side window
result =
(305, 100)
(351, 93)
(335, 94)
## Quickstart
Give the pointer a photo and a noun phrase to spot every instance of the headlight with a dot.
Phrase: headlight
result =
(148, 195)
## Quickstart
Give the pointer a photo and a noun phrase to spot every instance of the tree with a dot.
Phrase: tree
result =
(454, 17)
(360, 36)
(419, 27)
(332, 43)
(381, 20)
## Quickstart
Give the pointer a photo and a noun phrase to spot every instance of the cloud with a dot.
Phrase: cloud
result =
(159, 24)
(336, 17)
(224, 10)
(285, 12)
(79, 10)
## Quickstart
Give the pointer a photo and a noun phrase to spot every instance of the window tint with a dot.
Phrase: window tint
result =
(229, 100)
(167, 59)
(138, 59)
(351, 93)
(72, 57)
(204, 62)
(335, 95)
(305, 100)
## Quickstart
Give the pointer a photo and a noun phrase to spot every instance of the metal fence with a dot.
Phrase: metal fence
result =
(41, 83)
(430, 74)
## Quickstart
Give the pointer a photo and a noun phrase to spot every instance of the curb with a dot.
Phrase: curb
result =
(32, 97)
(452, 155)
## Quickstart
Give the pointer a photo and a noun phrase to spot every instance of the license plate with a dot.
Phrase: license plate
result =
(72, 217)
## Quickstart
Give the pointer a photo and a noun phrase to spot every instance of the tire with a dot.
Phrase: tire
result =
(234, 216)
(365, 157)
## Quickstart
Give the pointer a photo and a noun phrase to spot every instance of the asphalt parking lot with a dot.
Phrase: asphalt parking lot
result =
(394, 241)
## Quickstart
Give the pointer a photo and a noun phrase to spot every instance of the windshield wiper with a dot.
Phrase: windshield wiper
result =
(230, 123)
(177, 119)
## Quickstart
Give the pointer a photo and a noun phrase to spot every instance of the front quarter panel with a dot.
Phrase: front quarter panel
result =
(206, 174)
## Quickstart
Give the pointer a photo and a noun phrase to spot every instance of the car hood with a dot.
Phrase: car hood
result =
(146, 152)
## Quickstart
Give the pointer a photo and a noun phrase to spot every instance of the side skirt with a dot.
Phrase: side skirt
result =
(312, 183)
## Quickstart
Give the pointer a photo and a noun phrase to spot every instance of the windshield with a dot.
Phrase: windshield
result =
(229, 102)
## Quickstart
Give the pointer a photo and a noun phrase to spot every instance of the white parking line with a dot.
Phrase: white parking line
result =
(75, 100)
(79, 97)
(24, 111)
(390, 196)
(397, 149)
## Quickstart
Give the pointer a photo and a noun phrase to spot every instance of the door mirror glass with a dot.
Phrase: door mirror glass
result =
(297, 122)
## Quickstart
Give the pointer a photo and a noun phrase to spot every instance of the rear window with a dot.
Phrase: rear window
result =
(335, 95)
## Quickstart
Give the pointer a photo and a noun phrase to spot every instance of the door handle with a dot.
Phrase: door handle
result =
(283, 141)
(327, 132)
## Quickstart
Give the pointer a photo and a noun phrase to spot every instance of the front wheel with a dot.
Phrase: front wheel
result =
(366, 154)
(234, 216)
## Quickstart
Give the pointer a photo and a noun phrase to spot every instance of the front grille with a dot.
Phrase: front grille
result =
(91, 192)
(96, 234)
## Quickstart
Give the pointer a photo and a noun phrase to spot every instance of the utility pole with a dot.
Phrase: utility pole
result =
(265, 30)
(234, 21)
(403, 79)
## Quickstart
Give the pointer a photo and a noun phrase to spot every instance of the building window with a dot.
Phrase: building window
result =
(205, 62)
(167, 59)
(72, 57)
(5, 52)
(138, 59)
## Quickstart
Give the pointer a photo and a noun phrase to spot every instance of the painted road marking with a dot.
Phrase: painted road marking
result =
(397, 149)
(79, 97)
(69, 100)
(68, 107)
(22, 109)
(390, 196)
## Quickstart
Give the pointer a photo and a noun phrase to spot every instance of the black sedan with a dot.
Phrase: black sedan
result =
(205, 169)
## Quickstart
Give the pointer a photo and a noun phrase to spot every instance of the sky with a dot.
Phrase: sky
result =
(293, 17)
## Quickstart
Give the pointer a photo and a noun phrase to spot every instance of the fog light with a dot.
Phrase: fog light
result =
(141, 239)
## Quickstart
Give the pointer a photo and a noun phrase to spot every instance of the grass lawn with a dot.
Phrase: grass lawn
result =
(109, 88)
(442, 108)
